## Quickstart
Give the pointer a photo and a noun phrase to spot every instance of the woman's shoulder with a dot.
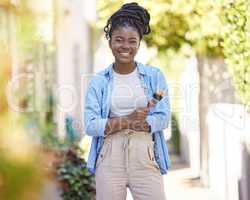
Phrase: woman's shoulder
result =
(150, 69)
(100, 78)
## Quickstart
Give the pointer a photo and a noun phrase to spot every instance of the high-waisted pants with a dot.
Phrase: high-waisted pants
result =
(127, 160)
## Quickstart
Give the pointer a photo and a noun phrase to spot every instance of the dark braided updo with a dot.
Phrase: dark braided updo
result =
(130, 14)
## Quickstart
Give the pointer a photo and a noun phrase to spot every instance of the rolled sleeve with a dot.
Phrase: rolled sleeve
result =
(96, 127)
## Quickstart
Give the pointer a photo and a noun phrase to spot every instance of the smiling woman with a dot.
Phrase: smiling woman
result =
(126, 121)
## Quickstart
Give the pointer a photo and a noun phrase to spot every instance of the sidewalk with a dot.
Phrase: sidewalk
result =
(180, 184)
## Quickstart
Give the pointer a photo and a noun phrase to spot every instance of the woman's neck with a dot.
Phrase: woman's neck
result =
(124, 68)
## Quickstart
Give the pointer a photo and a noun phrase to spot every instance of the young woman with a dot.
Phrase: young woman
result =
(127, 107)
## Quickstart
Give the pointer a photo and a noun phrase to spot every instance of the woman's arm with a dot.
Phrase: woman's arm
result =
(95, 125)
(136, 121)
(116, 124)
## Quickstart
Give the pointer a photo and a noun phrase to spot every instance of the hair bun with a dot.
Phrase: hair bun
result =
(127, 5)
(141, 12)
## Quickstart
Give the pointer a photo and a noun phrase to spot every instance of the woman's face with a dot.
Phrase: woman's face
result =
(124, 43)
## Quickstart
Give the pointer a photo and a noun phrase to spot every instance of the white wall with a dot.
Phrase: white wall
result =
(228, 133)
(189, 116)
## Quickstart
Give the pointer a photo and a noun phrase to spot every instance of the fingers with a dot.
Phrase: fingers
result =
(139, 125)
(151, 103)
(139, 114)
(143, 110)
(142, 113)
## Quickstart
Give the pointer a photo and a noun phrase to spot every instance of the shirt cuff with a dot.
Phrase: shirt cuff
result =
(97, 127)
(103, 125)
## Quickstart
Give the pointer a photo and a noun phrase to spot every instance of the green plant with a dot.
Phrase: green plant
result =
(236, 46)
(77, 183)
(175, 139)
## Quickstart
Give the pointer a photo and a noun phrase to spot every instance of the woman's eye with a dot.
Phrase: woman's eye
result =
(133, 42)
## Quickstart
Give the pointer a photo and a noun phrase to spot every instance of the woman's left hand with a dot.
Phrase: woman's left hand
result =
(139, 125)
(151, 103)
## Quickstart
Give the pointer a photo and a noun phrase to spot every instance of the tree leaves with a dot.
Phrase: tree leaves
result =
(236, 46)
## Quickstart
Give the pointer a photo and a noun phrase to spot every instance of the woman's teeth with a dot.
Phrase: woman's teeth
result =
(124, 54)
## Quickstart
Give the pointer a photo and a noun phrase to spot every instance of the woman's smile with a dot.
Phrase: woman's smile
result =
(125, 54)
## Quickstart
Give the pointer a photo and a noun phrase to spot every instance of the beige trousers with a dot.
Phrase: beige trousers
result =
(127, 160)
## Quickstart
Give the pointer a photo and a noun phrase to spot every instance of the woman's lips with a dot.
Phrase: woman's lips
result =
(125, 54)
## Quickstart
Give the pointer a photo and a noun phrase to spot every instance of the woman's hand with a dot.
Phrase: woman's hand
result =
(116, 124)
(139, 114)
(137, 119)
(139, 125)
(152, 103)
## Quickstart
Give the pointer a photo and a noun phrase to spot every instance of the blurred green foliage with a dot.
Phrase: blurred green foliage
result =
(174, 142)
(21, 172)
(236, 45)
(4, 76)
(26, 30)
(18, 179)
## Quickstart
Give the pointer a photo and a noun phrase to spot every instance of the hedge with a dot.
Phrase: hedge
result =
(236, 46)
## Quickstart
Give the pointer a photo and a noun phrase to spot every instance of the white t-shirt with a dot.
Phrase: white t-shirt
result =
(127, 94)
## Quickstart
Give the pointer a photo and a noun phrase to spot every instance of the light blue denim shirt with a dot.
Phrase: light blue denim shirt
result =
(97, 106)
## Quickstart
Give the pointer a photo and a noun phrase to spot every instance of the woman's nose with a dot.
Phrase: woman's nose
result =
(125, 45)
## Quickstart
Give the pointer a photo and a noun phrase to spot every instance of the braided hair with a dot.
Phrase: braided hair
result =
(130, 14)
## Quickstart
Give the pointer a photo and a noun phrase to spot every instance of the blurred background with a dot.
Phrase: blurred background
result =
(48, 51)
